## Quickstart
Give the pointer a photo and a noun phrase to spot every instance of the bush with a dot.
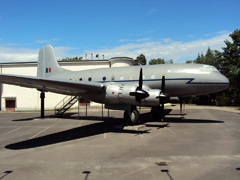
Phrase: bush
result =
(223, 100)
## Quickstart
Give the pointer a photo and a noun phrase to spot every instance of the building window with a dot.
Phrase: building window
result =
(84, 102)
(10, 104)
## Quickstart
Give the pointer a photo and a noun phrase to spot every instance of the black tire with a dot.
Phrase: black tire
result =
(134, 117)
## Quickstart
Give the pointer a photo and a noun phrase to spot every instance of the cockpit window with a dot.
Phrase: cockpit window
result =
(213, 68)
(207, 68)
(200, 69)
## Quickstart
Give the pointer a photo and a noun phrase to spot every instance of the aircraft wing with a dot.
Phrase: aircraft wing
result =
(62, 86)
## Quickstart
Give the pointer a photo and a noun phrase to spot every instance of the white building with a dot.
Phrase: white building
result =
(20, 98)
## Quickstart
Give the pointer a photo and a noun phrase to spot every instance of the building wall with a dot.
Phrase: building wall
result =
(25, 97)
(29, 99)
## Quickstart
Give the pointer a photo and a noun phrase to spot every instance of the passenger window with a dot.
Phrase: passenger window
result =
(104, 78)
(121, 78)
(80, 79)
(131, 76)
(89, 79)
(153, 76)
(113, 77)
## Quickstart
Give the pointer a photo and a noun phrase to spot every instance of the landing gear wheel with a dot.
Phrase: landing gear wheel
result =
(134, 117)
(131, 118)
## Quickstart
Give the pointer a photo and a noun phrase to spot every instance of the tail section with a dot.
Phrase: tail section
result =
(47, 62)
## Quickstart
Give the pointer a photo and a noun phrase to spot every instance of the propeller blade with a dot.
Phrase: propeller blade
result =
(163, 97)
(139, 94)
(133, 93)
(140, 80)
(163, 84)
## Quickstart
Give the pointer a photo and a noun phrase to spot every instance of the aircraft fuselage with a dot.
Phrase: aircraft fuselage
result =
(181, 79)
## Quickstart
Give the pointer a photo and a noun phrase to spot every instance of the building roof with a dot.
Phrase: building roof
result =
(73, 62)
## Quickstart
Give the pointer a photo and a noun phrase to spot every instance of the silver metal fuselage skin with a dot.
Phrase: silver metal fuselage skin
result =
(181, 79)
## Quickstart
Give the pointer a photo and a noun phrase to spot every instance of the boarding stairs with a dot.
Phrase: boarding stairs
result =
(65, 104)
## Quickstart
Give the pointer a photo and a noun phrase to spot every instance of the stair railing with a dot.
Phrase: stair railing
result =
(63, 103)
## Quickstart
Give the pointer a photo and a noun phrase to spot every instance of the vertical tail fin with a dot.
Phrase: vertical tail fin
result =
(47, 62)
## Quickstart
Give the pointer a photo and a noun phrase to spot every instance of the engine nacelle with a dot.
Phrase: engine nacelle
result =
(116, 94)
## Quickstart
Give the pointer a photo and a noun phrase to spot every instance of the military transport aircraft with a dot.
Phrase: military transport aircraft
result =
(123, 88)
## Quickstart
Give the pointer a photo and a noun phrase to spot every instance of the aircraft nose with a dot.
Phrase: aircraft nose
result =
(225, 82)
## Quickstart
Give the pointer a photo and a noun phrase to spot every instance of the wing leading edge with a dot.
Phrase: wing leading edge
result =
(62, 86)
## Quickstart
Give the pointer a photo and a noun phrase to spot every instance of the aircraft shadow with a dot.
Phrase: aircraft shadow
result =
(106, 125)
(157, 126)
(71, 134)
(177, 114)
(32, 118)
(65, 116)
(146, 117)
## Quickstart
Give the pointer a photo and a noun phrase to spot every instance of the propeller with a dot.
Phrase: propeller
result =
(139, 93)
(163, 97)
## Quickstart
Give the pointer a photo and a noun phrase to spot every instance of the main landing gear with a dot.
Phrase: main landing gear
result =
(131, 117)
(156, 112)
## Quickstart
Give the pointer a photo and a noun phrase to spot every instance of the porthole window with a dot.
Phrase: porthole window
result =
(121, 78)
(153, 76)
(104, 78)
(131, 76)
(113, 77)
(80, 79)
(89, 79)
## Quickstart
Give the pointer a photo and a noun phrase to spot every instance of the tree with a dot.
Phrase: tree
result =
(140, 60)
(157, 61)
(160, 61)
(231, 64)
(189, 61)
(71, 59)
(169, 61)
(209, 57)
(228, 63)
